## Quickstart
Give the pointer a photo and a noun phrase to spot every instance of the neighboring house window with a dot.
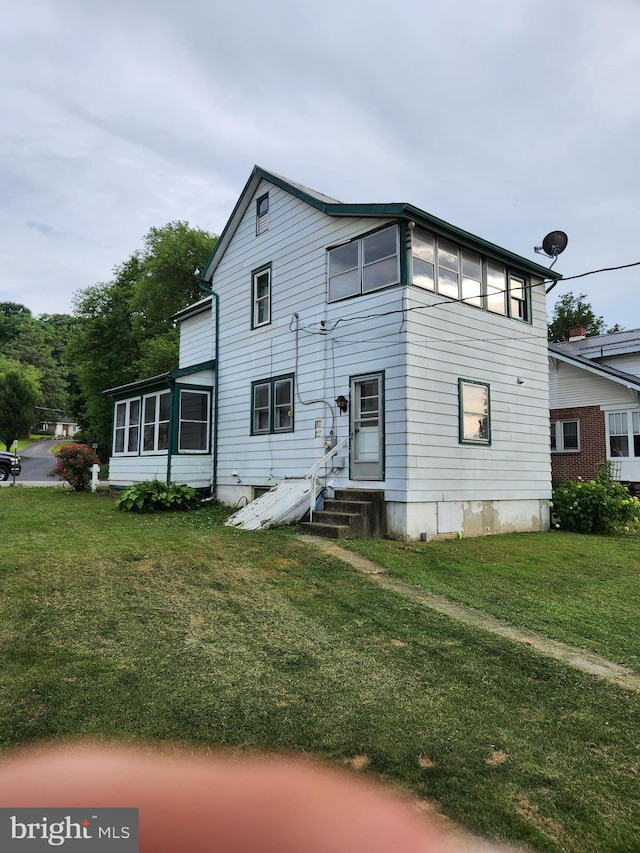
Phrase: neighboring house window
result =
(446, 268)
(155, 422)
(363, 265)
(565, 436)
(261, 297)
(262, 214)
(193, 435)
(126, 432)
(624, 434)
(272, 405)
(474, 413)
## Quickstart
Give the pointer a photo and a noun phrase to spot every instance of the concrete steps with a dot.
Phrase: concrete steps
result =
(351, 514)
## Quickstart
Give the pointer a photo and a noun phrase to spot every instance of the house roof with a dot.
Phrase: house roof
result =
(192, 310)
(601, 346)
(332, 207)
(620, 376)
(134, 386)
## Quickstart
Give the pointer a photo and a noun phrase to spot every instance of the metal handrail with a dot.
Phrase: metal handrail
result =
(312, 472)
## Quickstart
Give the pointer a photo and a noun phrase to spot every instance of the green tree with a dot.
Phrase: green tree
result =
(19, 395)
(103, 350)
(170, 262)
(123, 329)
(571, 310)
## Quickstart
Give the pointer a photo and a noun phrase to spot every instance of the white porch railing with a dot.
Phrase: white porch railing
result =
(312, 473)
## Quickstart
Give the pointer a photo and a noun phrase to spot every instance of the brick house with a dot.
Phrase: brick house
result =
(594, 397)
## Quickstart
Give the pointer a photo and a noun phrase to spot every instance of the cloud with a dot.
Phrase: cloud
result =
(507, 119)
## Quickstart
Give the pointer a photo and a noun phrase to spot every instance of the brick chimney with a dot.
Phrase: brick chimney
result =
(577, 333)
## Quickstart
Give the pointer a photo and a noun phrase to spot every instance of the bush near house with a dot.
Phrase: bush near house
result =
(74, 465)
(602, 505)
(152, 495)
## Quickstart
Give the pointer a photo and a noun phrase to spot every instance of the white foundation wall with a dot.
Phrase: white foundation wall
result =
(450, 519)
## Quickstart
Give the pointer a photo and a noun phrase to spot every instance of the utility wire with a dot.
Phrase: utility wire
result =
(327, 329)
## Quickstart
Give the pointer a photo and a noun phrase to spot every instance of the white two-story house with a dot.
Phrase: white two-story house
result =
(418, 348)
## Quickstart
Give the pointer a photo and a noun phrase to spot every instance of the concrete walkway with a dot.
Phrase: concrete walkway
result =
(571, 655)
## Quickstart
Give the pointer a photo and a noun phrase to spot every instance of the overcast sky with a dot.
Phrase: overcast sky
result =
(508, 118)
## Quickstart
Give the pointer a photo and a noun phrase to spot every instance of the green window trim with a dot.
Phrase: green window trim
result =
(193, 404)
(261, 296)
(272, 407)
(474, 412)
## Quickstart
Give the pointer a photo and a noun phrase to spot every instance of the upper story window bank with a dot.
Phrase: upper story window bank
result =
(372, 262)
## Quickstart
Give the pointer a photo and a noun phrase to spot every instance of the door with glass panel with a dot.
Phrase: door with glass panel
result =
(367, 428)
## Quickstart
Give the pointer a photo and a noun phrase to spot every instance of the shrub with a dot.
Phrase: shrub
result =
(601, 505)
(152, 495)
(74, 465)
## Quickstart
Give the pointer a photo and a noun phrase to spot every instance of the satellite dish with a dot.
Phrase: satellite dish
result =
(555, 243)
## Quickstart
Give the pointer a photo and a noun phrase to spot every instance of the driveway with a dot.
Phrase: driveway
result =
(37, 461)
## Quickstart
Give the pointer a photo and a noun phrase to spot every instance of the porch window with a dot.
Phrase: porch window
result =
(272, 405)
(364, 265)
(460, 273)
(261, 297)
(565, 436)
(624, 434)
(126, 433)
(194, 425)
(155, 420)
(474, 412)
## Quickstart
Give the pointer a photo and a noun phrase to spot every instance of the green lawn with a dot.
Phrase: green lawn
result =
(172, 628)
(584, 590)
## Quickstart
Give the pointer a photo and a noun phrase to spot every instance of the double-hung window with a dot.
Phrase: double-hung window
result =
(261, 297)
(155, 422)
(272, 405)
(565, 436)
(194, 421)
(474, 412)
(364, 265)
(126, 433)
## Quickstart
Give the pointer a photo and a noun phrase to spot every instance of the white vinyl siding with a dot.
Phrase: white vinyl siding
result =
(197, 339)
(573, 387)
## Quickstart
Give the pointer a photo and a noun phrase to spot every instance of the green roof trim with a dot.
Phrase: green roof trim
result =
(396, 210)
(162, 380)
(193, 368)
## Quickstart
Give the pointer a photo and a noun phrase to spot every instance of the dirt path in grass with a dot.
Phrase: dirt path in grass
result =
(571, 655)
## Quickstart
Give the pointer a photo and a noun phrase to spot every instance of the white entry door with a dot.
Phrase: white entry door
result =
(367, 430)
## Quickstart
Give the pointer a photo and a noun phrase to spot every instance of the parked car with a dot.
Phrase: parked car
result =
(10, 465)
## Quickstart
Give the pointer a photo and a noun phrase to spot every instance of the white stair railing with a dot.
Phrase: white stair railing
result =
(312, 473)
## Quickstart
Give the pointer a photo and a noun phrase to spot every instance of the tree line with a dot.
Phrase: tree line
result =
(121, 331)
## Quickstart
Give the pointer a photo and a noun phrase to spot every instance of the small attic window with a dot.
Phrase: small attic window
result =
(262, 214)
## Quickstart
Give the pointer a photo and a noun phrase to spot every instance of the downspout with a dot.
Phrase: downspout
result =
(171, 384)
(216, 299)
